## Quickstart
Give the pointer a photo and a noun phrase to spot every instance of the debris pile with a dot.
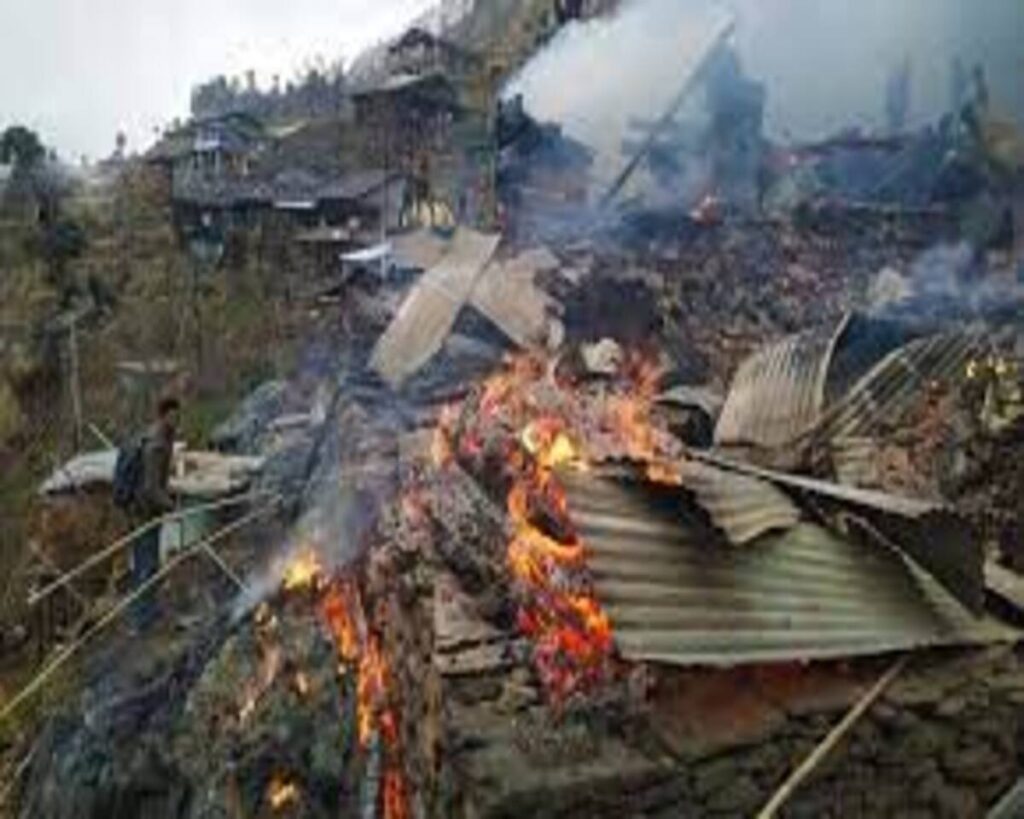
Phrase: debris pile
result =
(622, 523)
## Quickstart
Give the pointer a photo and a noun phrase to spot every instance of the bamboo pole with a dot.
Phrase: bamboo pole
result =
(135, 534)
(18, 773)
(122, 606)
(225, 568)
(829, 743)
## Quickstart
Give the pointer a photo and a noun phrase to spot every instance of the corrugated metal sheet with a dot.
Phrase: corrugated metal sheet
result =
(934, 535)
(703, 398)
(777, 394)
(743, 508)
(855, 461)
(890, 389)
(429, 312)
(802, 595)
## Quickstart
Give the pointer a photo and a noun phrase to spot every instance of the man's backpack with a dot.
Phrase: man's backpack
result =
(128, 474)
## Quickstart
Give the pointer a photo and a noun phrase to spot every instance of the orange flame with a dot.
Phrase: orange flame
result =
(395, 803)
(371, 692)
(303, 571)
(281, 793)
(570, 633)
(342, 612)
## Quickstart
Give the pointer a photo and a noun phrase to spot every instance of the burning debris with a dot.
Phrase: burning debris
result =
(623, 523)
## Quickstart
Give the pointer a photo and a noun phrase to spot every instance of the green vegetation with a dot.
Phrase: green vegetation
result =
(114, 265)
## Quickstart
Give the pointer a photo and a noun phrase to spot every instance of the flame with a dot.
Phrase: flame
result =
(549, 444)
(341, 610)
(303, 571)
(395, 802)
(371, 692)
(572, 636)
(570, 633)
(281, 793)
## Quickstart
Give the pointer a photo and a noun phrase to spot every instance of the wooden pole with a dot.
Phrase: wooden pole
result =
(74, 382)
(37, 683)
(695, 77)
(123, 542)
(827, 745)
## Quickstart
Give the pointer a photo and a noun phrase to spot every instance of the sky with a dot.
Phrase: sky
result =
(78, 71)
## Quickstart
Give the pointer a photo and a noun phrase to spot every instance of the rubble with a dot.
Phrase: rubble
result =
(620, 524)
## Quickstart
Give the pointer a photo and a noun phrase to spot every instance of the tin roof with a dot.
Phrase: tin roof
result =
(673, 596)
(777, 394)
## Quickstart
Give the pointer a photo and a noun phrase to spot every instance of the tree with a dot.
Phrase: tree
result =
(21, 148)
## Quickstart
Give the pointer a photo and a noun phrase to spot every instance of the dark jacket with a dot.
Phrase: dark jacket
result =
(157, 451)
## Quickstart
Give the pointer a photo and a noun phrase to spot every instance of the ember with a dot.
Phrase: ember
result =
(282, 793)
(303, 571)
(341, 610)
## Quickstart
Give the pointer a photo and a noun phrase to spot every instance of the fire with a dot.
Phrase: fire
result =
(572, 636)
(549, 444)
(372, 691)
(395, 802)
(281, 793)
(341, 610)
(553, 415)
(303, 571)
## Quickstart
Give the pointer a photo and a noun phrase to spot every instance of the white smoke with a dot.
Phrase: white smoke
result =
(596, 78)
(825, 65)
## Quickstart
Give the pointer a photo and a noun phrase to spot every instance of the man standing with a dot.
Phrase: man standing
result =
(153, 500)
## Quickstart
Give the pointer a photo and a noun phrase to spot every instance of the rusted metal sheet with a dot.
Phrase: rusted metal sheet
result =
(741, 507)
(892, 386)
(778, 394)
(932, 534)
(804, 594)
(428, 314)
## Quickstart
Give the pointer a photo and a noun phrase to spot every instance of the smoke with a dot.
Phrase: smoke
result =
(354, 474)
(597, 78)
(825, 65)
(949, 283)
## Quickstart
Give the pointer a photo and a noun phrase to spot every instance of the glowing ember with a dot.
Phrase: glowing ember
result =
(550, 445)
(571, 635)
(395, 803)
(341, 612)
(371, 691)
(282, 793)
(303, 571)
